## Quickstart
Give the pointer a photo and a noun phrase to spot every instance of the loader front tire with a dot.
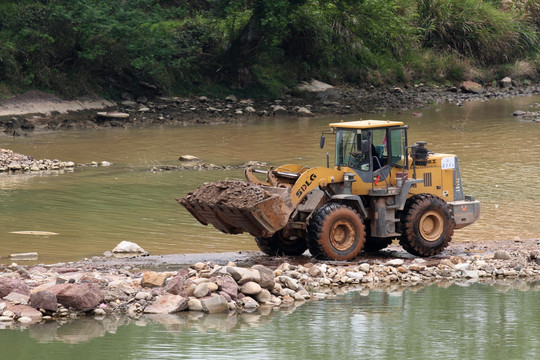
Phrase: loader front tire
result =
(278, 245)
(427, 225)
(336, 232)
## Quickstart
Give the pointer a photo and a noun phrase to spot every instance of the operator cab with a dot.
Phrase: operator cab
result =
(370, 147)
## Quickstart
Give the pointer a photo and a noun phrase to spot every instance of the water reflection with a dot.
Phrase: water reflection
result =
(346, 311)
(13, 181)
(75, 331)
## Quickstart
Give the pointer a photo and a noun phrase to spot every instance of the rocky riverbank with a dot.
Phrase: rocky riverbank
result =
(14, 163)
(136, 286)
(35, 111)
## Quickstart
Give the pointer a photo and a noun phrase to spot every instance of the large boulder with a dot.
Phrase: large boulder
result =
(302, 111)
(318, 90)
(201, 290)
(243, 275)
(168, 304)
(45, 300)
(78, 296)
(16, 298)
(267, 276)
(215, 304)
(153, 279)
(179, 284)
(228, 286)
(506, 82)
(264, 297)
(128, 247)
(250, 288)
(249, 303)
(471, 87)
(313, 86)
(8, 285)
(280, 110)
(24, 311)
(189, 158)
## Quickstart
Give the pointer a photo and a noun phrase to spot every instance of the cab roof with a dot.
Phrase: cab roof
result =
(366, 124)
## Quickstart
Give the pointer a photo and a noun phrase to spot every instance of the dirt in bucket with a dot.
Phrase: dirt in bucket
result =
(229, 193)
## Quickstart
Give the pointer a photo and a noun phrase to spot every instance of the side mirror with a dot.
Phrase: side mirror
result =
(323, 138)
(364, 146)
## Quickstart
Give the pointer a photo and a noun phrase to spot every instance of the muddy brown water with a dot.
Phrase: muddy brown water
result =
(94, 208)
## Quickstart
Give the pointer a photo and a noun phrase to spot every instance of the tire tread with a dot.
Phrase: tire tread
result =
(414, 207)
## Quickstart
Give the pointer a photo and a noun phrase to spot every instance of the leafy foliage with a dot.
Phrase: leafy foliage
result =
(260, 47)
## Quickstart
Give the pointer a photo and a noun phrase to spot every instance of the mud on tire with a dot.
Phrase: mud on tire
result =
(278, 245)
(336, 232)
(427, 225)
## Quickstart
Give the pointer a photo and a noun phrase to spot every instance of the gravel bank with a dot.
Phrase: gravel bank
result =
(36, 111)
(139, 286)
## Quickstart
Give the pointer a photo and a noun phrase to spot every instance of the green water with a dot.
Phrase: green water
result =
(456, 322)
(93, 209)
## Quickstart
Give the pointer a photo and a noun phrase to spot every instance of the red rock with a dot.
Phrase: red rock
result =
(45, 300)
(179, 284)
(225, 295)
(8, 285)
(78, 296)
(24, 310)
(167, 304)
(228, 286)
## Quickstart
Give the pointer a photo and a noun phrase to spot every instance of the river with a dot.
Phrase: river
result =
(93, 209)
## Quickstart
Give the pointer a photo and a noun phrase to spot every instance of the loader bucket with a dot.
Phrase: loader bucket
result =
(233, 207)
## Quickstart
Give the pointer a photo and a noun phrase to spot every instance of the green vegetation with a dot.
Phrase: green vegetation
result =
(259, 47)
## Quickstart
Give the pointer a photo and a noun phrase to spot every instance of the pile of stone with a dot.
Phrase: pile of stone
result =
(189, 162)
(195, 166)
(32, 294)
(528, 115)
(14, 163)
(11, 162)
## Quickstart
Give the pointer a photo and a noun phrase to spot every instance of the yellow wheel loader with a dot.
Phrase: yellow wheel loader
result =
(379, 189)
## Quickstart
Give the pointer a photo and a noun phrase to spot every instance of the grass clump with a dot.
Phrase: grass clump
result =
(476, 29)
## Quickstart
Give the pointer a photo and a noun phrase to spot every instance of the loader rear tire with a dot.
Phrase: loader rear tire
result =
(336, 232)
(278, 245)
(427, 225)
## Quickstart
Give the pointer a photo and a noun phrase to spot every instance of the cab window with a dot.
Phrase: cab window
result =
(348, 149)
(397, 147)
